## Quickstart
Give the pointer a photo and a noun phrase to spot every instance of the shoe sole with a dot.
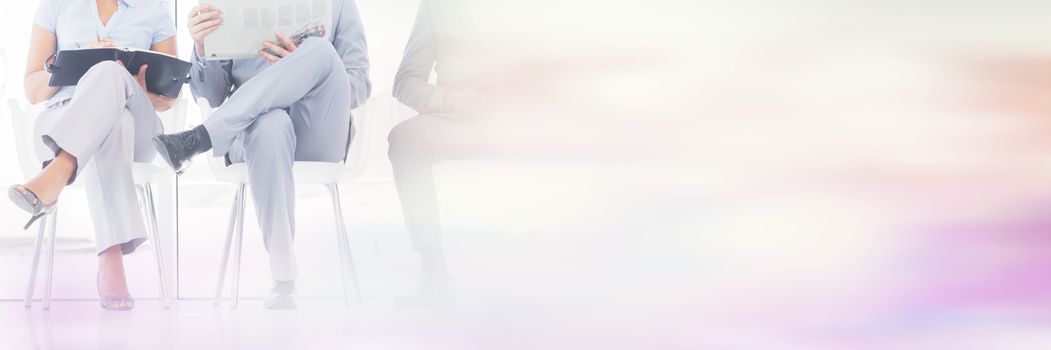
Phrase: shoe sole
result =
(22, 201)
(162, 150)
(280, 306)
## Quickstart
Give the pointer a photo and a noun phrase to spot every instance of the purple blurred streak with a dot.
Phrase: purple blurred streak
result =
(993, 263)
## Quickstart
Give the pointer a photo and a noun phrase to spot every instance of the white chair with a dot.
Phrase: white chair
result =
(144, 174)
(329, 174)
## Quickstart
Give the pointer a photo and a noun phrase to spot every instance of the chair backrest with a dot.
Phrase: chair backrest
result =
(357, 153)
(374, 121)
(23, 120)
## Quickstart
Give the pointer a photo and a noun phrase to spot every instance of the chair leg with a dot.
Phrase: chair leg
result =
(174, 239)
(51, 223)
(226, 251)
(351, 292)
(239, 238)
(37, 247)
(151, 216)
(144, 208)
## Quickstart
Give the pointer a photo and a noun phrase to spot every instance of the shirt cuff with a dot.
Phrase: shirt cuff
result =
(197, 58)
(208, 64)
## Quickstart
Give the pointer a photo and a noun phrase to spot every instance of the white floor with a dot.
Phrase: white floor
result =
(570, 258)
(200, 325)
(315, 325)
(535, 272)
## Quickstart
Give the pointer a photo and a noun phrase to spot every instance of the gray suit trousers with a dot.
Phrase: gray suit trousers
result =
(297, 109)
(107, 125)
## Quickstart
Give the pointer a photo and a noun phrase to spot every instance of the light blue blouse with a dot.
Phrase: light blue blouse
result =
(136, 24)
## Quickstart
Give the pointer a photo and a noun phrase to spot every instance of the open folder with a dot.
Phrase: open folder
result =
(165, 75)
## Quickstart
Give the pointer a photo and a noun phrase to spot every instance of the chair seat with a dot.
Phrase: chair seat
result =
(305, 173)
(149, 173)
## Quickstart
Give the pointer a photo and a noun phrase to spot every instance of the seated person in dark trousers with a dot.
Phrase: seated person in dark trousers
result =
(447, 128)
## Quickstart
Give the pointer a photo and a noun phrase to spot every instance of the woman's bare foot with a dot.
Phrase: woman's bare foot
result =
(112, 282)
(48, 184)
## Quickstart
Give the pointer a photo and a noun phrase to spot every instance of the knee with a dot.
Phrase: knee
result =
(106, 69)
(319, 50)
(271, 134)
(404, 140)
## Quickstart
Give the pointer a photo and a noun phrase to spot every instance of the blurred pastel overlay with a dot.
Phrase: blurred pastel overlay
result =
(808, 174)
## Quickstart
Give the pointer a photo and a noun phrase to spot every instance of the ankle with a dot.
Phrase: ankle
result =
(284, 287)
(204, 139)
(63, 166)
(111, 258)
(432, 267)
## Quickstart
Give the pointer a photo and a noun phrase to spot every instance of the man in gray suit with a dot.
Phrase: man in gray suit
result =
(290, 104)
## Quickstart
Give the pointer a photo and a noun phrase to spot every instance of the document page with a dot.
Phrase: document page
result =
(246, 23)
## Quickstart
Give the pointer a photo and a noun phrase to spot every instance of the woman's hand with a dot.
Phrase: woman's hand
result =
(203, 20)
(141, 76)
(160, 103)
(273, 52)
(99, 44)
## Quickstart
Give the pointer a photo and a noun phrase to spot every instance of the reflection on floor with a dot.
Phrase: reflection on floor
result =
(600, 258)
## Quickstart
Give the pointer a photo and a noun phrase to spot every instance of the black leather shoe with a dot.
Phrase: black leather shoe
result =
(177, 149)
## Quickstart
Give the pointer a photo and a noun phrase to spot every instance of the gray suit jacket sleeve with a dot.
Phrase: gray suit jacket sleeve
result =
(212, 80)
(412, 83)
(349, 41)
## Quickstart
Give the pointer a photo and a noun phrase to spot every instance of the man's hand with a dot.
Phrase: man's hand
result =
(203, 20)
(273, 52)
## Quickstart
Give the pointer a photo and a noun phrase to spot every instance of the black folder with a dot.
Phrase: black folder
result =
(165, 75)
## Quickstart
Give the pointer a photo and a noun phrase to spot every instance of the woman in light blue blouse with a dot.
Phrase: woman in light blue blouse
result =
(93, 132)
